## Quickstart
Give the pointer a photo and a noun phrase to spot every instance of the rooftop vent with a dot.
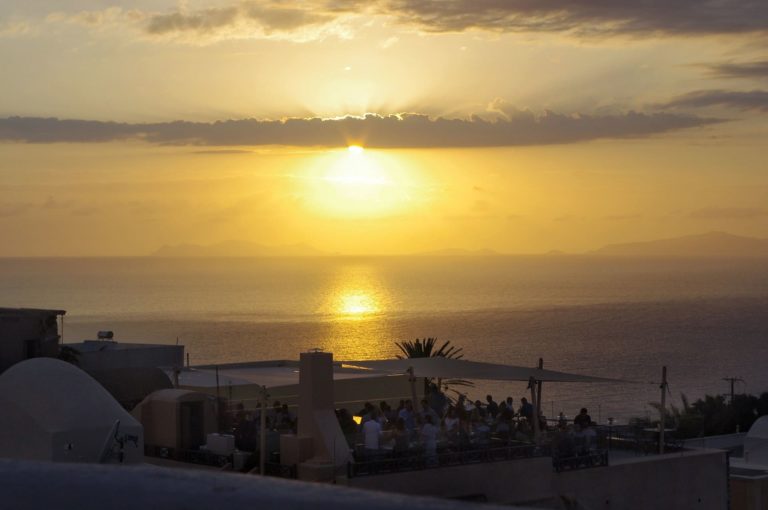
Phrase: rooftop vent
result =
(106, 335)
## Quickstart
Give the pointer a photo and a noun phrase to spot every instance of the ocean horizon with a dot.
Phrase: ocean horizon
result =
(612, 317)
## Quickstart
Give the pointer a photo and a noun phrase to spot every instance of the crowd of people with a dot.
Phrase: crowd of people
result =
(377, 431)
(574, 439)
(245, 425)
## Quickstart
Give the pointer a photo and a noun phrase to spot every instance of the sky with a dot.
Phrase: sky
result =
(521, 126)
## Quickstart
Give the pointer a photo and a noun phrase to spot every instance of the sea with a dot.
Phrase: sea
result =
(704, 319)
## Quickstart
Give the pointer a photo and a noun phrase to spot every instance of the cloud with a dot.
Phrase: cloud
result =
(389, 42)
(517, 128)
(313, 19)
(47, 130)
(216, 152)
(746, 100)
(588, 18)
(740, 69)
(110, 17)
(14, 28)
(729, 213)
(250, 19)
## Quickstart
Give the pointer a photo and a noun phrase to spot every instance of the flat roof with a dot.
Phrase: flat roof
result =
(31, 311)
(262, 373)
(112, 345)
(741, 468)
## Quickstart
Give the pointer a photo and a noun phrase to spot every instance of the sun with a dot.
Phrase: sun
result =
(356, 173)
(354, 182)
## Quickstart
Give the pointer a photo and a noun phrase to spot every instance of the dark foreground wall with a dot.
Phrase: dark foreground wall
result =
(687, 480)
(693, 479)
(37, 485)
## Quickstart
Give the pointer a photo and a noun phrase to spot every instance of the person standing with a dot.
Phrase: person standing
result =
(583, 419)
(372, 435)
(408, 415)
(429, 439)
(526, 410)
(491, 406)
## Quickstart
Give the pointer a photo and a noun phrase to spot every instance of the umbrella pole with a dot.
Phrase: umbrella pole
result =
(663, 408)
(263, 431)
(412, 380)
(538, 396)
(535, 417)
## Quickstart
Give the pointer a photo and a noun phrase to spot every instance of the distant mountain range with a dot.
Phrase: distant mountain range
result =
(712, 244)
(237, 249)
(457, 252)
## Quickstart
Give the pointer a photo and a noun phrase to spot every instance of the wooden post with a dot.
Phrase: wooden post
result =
(263, 431)
(663, 409)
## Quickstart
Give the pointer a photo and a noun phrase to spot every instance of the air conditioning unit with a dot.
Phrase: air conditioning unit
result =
(220, 444)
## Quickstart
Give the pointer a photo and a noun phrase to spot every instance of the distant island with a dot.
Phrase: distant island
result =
(458, 252)
(237, 249)
(712, 244)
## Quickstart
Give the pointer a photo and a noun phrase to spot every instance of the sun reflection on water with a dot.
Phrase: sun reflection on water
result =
(356, 306)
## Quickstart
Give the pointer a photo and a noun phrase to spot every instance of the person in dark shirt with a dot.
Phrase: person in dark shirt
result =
(526, 410)
(492, 407)
(583, 419)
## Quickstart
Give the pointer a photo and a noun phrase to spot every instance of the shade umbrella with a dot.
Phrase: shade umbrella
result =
(447, 368)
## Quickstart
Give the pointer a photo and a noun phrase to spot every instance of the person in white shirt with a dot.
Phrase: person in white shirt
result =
(372, 435)
(451, 424)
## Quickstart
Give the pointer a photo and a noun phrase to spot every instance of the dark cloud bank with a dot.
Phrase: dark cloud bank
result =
(581, 17)
(393, 131)
(756, 100)
(683, 17)
(758, 69)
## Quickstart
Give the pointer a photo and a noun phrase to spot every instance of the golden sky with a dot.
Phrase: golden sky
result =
(516, 126)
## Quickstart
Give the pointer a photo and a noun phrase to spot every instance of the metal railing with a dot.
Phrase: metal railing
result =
(397, 464)
(584, 460)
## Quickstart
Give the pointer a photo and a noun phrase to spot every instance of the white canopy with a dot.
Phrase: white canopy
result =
(446, 368)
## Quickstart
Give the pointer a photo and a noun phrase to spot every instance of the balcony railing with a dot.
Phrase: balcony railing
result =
(414, 462)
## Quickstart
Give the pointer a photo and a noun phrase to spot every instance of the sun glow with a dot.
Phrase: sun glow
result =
(359, 183)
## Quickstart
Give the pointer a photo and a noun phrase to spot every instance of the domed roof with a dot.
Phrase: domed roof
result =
(59, 395)
(759, 429)
(52, 410)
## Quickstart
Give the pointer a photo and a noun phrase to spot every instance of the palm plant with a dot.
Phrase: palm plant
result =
(426, 348)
